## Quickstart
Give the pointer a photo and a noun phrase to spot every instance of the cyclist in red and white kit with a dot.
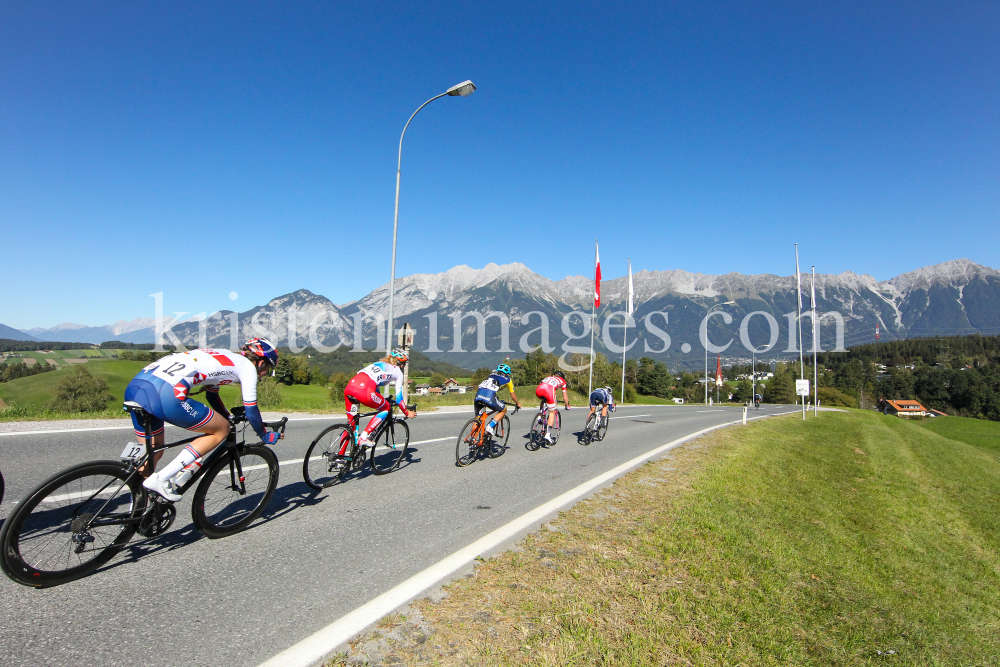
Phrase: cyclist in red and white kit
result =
(547, 390)
(364, 388)
(162, 389)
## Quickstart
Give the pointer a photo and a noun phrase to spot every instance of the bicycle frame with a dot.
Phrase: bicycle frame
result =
(354, 422)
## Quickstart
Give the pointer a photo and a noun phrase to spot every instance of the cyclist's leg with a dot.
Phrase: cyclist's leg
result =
(193, 416)
(145, 394)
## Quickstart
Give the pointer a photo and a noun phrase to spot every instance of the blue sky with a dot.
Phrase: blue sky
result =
(202, 148)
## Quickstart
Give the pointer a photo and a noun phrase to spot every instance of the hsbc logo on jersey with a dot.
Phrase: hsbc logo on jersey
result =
(180, 391)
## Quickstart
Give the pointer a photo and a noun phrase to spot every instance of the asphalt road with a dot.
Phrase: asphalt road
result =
(182, 599)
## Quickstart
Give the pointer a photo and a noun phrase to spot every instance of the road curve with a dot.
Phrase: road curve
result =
(313, 557)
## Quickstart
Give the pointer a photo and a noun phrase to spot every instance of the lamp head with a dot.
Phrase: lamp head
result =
(463, 89)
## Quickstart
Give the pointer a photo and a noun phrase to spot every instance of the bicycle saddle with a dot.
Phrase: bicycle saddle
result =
(132, 406)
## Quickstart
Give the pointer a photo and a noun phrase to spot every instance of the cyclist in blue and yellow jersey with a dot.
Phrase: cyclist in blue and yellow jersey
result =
(487, 399)
(162, 388)
(602, 398)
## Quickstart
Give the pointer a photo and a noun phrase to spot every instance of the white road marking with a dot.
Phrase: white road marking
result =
(321, 643)
(628, 417)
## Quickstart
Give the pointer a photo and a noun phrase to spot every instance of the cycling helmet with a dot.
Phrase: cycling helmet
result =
(503, 368)
(560, 374)
(607, 389)
(399, 356)
(262, 347)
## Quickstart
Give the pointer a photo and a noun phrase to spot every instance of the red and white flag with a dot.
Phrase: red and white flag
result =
(718, 371)
(597, 277)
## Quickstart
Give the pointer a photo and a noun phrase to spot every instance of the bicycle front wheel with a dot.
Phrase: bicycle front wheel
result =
(467, 447)
(498, 444)
(226, 502)
(390, 447)
(317, 467)
(71, 524)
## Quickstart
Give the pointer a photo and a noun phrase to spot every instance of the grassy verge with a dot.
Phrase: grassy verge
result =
(848, 539)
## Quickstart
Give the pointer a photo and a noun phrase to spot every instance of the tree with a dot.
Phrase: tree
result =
(81, 392)
(438, 380)
(317, 377)
(338, 382)
(479, 376)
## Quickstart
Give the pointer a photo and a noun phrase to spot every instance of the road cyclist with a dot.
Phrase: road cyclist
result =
(601, 400)
(489, 429)
(162, 390)
(340, 448)
(546, 391)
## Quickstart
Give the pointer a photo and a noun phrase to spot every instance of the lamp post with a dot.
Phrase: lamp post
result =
(463, 89)
(711, 310)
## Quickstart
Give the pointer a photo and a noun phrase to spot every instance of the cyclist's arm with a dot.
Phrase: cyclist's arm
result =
(247, 375)
(212, 395)
(398, 379)
(510, 388)
(565, 396)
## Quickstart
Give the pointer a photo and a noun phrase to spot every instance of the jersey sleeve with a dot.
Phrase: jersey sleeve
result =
(247, 374)
(398, 378)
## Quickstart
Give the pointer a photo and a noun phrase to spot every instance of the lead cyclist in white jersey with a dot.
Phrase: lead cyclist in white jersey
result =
(162, 388)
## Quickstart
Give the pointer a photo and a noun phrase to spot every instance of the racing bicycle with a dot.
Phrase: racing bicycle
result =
(323, 467)
(536, 438)
(77, 520)
(596, 428)
(475, 442)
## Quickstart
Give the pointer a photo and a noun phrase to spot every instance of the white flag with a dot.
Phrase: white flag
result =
(630, 308)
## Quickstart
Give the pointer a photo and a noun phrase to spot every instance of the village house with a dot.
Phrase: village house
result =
(902, 408)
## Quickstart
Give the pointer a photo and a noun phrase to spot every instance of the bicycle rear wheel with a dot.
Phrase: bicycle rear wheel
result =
(224, 502)
(390, 447)
(469, 443)
(71, 524)
(603, 428)
(317, 467)
(537, 435)
(589, 433)
(498, 443)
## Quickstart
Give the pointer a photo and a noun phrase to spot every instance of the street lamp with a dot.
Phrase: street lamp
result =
(463, 89)
(712, 310)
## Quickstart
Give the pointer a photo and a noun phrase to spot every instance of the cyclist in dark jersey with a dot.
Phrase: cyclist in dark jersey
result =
(602, 397)
(487, 399)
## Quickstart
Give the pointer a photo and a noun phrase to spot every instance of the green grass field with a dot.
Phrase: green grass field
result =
(978, 432)
(848, 539)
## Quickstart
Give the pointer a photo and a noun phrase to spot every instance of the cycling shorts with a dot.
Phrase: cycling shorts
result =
(597, 399)
(548, 393)
(493, 404)
(159, 399)
(362, 389)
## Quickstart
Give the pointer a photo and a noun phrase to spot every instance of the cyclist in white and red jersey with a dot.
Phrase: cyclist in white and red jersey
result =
(547, 391)
(162, 388)
(364, 387)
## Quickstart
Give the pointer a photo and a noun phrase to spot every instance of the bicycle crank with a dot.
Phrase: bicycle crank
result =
(158, 521)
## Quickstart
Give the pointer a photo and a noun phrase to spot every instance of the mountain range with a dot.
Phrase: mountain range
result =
(953, 298)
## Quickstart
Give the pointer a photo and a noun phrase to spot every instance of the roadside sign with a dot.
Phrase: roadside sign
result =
(802, 387)
(404, 337)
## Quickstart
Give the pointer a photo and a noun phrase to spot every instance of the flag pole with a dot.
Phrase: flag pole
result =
(593, 320)
(628, 313)
(798, 293)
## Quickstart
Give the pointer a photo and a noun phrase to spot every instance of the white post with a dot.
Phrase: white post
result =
(744, 415)
(815, 348)
(798, 293)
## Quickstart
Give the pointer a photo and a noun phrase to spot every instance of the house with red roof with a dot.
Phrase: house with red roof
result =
(902, 408)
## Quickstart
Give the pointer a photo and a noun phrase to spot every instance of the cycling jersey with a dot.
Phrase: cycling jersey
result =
(547, 389)
(182, 372)
(383, 373)
(601, 397)
(486, 396)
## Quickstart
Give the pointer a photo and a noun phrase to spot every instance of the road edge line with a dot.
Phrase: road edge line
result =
(323, 642)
